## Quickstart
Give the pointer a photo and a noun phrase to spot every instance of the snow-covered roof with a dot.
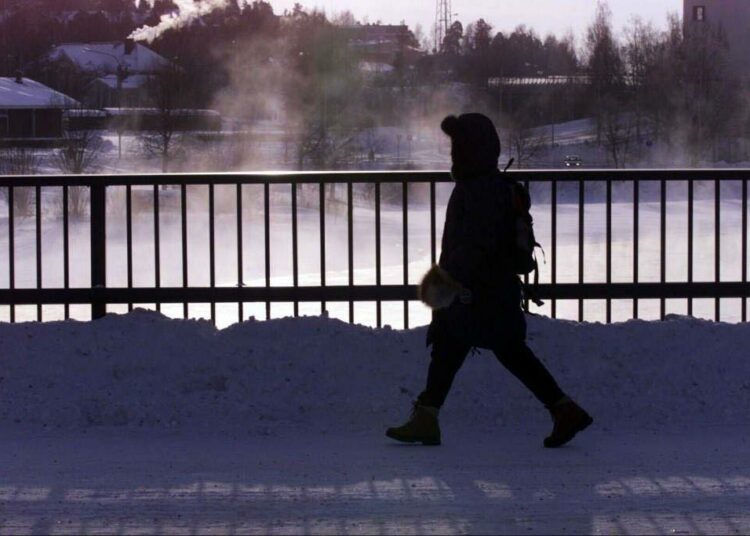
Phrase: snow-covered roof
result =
(31, 94)
(194, 112)
(375, 67)
(135, 81)
(105, 57)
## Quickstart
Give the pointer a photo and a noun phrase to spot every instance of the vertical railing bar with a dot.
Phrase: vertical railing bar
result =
(267, 240)
(350, 241)
(663, 244)
(129, 236)
(378, 273)
(184, 240)
(717, 257)
(157, 245)
(553, 195)
(405, 223)
(609, 248)
(526, 276)
(581, 222)
(11, 247)
(66, 248)
(38, 214)
(295, 258)
(744, 245)
(690, 244)
(212, 246)
(433, 222)
(636, 238)
(322, 214)
(98, 231)
(240, 253)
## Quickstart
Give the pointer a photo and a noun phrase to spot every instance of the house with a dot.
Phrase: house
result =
(111, 92)
(106, 58)
(732, 18)
(117, 72)
(31, 112)
(382, 47)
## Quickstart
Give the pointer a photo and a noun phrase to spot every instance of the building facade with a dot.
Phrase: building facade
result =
(732, 18)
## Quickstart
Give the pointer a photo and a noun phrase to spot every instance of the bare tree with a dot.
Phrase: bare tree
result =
(605, 64)
(78, 154)
(524, 137)
(19, 161)
(618, 129)
(166, 92)
(526, 144)
(641, 54)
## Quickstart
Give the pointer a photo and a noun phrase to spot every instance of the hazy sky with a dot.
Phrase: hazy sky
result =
(545, 16)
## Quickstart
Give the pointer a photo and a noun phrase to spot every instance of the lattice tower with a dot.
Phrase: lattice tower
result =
(443, 21)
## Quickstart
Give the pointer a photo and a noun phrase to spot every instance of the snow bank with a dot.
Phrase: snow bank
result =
(144, 370)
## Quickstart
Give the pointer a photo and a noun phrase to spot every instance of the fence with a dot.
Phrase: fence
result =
(575, 190)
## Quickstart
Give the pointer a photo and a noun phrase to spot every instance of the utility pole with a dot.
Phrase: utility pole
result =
(6, 50)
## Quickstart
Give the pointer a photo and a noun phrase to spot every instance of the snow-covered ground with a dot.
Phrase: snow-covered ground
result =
(140, 424)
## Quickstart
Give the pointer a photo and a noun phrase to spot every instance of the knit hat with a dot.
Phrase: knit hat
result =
(475, 143)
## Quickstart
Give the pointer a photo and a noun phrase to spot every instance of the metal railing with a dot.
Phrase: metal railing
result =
(99, 295)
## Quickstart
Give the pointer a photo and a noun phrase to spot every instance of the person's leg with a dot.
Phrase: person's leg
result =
(518, 358)
(568, 417)
(447, 358)
(423, 426)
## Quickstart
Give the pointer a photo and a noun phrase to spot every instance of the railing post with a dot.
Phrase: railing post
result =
(98, 247)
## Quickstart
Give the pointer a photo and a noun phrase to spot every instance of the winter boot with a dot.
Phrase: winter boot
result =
(569, 419)
(422, 427)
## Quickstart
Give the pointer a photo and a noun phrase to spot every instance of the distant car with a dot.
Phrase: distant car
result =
(573, 161)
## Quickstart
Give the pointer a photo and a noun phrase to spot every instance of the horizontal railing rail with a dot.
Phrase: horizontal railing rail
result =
(342, 177)
(99, 295)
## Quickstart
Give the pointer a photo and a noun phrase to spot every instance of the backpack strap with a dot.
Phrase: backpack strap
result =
(531, 291)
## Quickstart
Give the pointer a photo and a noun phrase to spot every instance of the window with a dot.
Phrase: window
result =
(699, 13)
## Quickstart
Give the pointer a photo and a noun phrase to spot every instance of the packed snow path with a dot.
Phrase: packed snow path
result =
(141, 424)
(501, 482)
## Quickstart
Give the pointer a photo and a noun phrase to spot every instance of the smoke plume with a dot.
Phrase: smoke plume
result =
(187, 11)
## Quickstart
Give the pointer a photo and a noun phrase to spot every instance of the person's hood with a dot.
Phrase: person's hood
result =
(475, 145)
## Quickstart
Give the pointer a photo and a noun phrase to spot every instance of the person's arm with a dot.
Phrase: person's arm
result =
(475, 235)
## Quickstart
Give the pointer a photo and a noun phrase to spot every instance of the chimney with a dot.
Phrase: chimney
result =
(129, 45)
(19, 77)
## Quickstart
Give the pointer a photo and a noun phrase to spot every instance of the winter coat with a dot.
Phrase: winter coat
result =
(476, 246)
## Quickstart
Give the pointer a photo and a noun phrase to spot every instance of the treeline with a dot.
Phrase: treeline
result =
(656, 96)
(651, 93)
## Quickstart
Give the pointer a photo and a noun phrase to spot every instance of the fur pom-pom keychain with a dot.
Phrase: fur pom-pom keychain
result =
(438, 289)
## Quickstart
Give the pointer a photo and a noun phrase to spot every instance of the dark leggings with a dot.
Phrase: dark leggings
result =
(448, 357)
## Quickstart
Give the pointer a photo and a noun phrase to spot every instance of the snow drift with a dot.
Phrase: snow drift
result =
(143, 370)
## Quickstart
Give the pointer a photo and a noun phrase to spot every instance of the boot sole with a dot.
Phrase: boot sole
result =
(585, 423)
(425, 442)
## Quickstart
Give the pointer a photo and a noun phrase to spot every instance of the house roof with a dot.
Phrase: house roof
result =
(105, 57)
(31, 94)
(131, 82)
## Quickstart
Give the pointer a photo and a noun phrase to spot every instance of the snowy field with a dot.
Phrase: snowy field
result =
(139, 424)
(419, 255)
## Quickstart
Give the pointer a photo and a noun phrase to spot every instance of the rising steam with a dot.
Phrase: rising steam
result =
(187, 12)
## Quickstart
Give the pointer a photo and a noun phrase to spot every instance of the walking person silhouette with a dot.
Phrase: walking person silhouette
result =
(475, 290)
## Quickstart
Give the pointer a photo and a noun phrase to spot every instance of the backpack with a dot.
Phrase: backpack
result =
(524, 242)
